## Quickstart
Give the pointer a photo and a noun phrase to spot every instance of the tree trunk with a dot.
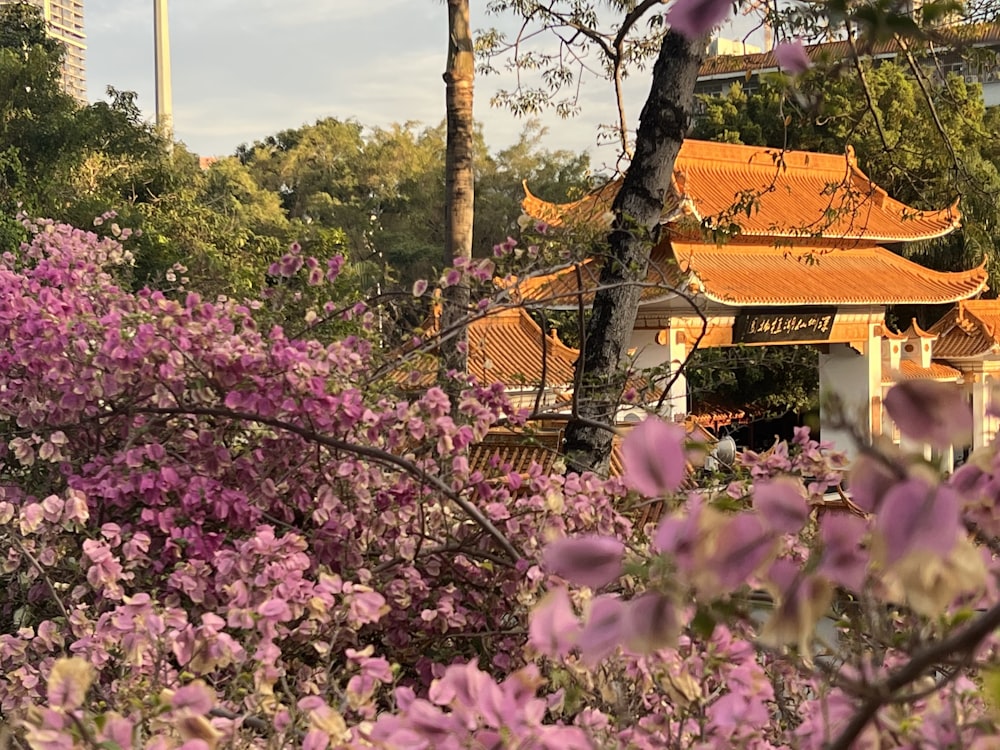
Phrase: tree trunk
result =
(459, 183)
(638, 208)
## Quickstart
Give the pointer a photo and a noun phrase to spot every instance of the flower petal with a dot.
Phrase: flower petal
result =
(782, 504)
(593, 561)
(554, 629)
(792, 57)
(604, 630)
(918, 517)
(653, 457)
(930, 411)
(693, 18)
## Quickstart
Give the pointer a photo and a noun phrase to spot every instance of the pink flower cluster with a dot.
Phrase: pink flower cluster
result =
(218, 537)
(183, 495)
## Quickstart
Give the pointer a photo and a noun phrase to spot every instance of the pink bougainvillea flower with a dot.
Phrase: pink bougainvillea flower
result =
(653, 457)
(844, 561)
(792, 57)
(69, 681)
(742, 546)
(782, 504)
(969, 480)
(315, 739)
(678, 535)
(554, 629)
(195, 697)
(693, 18)
(802, 601)
(930, 411)
(604, 631)
(871, 479)
(471, 694)
(918, 517)
(593, 561)
(275, 609)
(650, 622)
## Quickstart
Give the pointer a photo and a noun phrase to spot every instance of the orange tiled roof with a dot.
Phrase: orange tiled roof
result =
(769, 193)
(970, 329)
(716, 415)
(504, 451)
(910, 370)
(745, 272)
(914, 331)
(506, 347)
(761, 274)
(562, 289)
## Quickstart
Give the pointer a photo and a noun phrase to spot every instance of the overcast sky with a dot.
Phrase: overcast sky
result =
(243, 69)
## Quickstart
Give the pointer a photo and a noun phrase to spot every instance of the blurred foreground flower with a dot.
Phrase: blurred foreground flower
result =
(654, 458)
(929, 411)
(792, 57)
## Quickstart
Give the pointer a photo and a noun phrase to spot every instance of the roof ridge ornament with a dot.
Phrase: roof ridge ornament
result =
(851, 156)
(963, 322)
(915, 331)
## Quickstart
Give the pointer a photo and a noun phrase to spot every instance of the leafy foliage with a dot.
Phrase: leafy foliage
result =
(385, 187)
(769, 381)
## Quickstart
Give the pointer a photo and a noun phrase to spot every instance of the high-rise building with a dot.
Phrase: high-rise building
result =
(65, 21)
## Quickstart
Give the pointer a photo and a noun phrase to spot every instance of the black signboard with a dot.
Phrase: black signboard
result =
(767, 325)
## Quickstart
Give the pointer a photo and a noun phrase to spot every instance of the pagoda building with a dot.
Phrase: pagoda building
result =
(761, 246)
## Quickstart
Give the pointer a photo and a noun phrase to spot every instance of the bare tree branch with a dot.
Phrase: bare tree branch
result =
(962, 642)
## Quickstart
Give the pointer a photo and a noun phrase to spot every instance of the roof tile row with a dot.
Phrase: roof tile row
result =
(769, 192)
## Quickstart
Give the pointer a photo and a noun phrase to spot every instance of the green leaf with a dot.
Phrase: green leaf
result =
(991, 688)
(703, 623)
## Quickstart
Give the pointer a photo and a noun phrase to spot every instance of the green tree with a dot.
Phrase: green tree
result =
(36, 117)
(385, 187)
(559, 175)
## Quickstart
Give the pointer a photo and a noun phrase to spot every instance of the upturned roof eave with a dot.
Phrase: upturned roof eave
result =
(747, 301)
(977, 276)
(694, 152)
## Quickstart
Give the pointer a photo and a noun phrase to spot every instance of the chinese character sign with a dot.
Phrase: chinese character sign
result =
(761, 326)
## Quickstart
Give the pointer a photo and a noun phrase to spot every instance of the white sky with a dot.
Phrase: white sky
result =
(244, 69)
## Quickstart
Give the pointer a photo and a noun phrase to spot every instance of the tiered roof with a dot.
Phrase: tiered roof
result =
(910, 370)
(758, 273)
(504, 451)
(748, 272)
(769, 193)
(562, 290)
(506, 346)
(809, 231)
(970, 330)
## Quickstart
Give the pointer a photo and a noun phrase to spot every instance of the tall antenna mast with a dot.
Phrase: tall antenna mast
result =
(164, 93)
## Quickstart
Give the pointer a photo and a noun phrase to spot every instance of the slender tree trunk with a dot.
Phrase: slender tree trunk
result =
(459, 181)
(638, 208)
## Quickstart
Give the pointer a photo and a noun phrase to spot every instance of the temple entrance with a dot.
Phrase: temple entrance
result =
(807, 266)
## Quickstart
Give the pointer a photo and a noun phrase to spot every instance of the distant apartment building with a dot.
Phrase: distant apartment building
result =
(65, 21)
(721, 46)
(724, 68)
